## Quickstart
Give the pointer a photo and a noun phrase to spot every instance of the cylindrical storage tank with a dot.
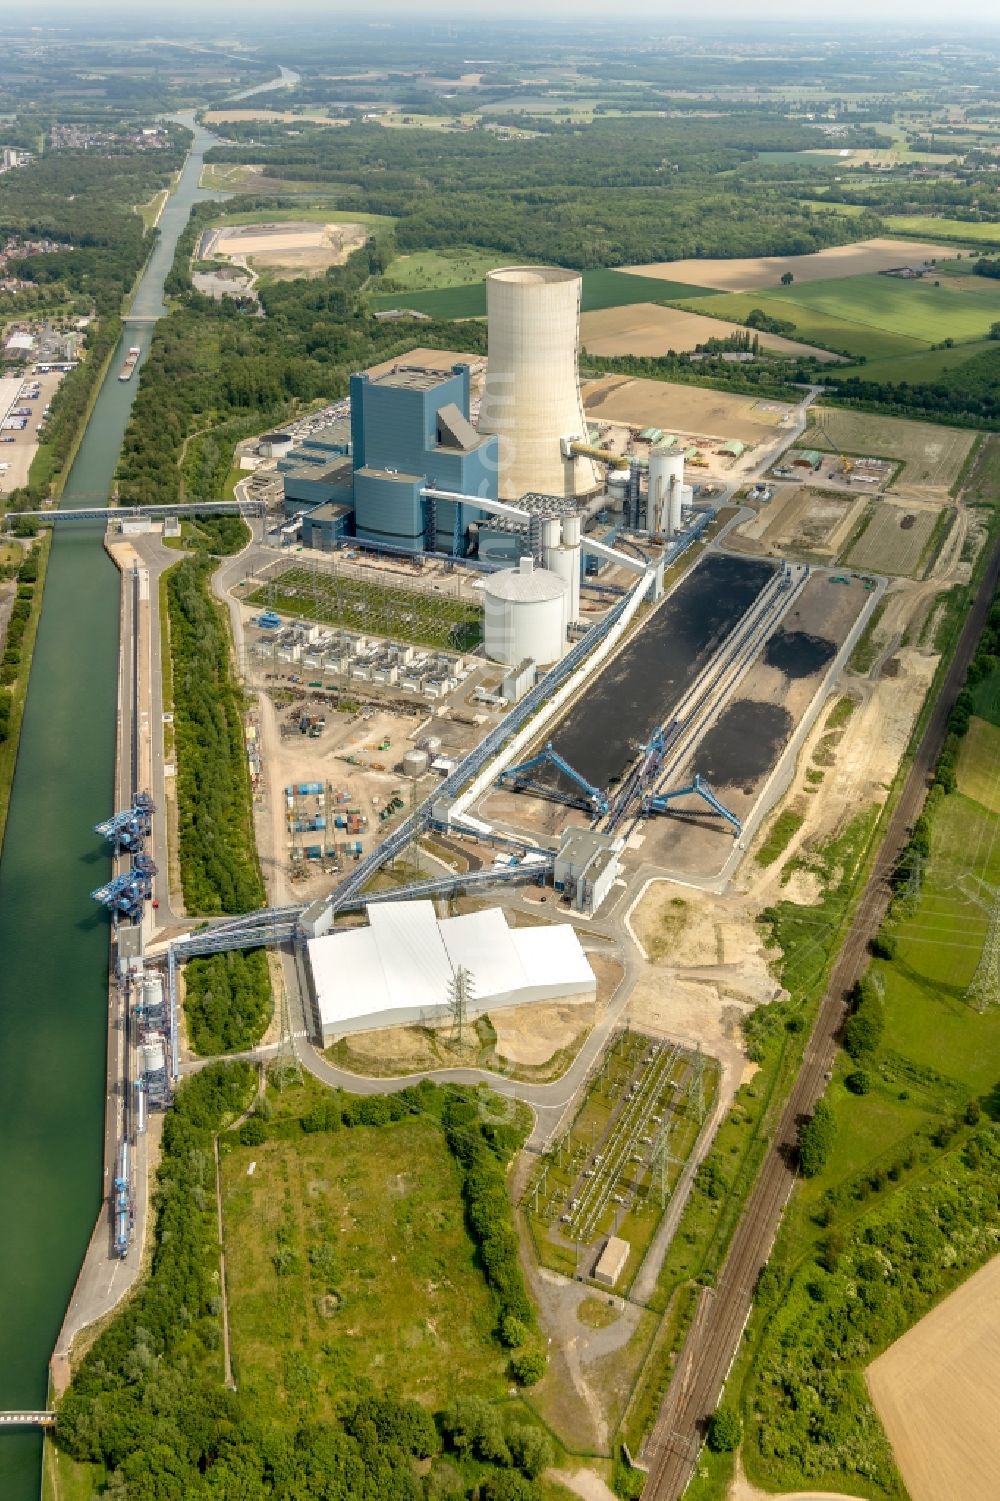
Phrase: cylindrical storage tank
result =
(548, 532)
(524, 615)
(665, 466)
(415, 763)
(531, 396)
(275, 445)
(681, 498)
(565, 564)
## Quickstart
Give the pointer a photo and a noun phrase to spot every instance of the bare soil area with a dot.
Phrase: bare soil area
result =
(895, 538)
(935, 1391)
(300, 248)
(767, 271)
(278, 116)
(801, 523)
(645, 328)
(684, 409)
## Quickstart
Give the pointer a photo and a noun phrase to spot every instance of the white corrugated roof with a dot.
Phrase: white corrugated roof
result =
(405, 961)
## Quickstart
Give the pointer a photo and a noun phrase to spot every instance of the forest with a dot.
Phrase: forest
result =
(622, 192)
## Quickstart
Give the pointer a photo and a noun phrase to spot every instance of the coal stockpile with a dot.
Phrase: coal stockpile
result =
(743, 744)
(798, 654)
(637, 690)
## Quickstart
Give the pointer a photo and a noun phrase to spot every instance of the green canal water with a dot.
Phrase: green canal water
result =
(53, 939)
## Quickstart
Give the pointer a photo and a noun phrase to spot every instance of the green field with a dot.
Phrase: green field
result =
(813, 325)
(430, 270)
(397, 614)
(925, 366)
(601, 289)
(909, 309)
(349, 1266)
(927, 226)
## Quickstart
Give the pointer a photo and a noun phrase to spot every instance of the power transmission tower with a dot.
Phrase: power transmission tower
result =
(695, 1095)
(984, 987)
(461, 990)
(660, 1164)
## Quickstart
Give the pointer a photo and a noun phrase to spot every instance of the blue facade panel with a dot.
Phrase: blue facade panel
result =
(388, 510)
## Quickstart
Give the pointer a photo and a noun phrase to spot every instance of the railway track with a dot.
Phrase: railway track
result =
(712, 1342)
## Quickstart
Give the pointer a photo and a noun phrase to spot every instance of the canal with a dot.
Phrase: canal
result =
(53, 940)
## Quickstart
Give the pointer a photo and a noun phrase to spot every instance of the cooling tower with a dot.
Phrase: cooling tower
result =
(531, 398)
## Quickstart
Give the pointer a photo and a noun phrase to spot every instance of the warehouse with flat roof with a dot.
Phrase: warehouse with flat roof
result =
(402, 967)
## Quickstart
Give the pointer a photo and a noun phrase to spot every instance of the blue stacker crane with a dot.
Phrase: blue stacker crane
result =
(661, 802)
(125, 894)
(129, 829)
(523, 779)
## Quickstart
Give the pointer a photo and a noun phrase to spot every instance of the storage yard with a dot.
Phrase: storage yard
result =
(802, 523)
(300, 249)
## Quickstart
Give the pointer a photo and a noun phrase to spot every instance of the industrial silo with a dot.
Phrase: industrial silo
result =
(531, 397)
(524, 615)
(666, 479)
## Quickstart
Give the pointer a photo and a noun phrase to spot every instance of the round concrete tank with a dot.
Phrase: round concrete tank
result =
(531, 396)
(666, 469)
(524, 615)
(415, 763)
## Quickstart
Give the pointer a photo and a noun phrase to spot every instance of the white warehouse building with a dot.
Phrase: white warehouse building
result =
(402, 967)
(525, 614)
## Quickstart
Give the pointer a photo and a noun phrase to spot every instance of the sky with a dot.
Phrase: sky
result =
(661, 15)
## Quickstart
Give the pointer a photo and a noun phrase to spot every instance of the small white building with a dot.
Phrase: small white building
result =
(402, 967)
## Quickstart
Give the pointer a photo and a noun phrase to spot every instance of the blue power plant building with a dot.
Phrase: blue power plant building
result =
(410, 431)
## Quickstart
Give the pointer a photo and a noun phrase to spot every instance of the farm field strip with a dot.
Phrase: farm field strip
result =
(910, 309)
(761, 272)
(817, 326)
(601, 289)
(932, 456)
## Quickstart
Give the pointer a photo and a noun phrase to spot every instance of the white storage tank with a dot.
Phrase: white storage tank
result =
(415, 763)
(666, 471)
(525, 614)
(681, 499)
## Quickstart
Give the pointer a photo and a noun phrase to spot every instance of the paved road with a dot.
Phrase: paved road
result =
(715, 1335)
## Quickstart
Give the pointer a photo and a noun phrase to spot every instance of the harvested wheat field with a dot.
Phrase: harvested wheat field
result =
(302, 248)
(270, 116)
(935, 1391)
(683, 409)
(767, 271)
(645, 328)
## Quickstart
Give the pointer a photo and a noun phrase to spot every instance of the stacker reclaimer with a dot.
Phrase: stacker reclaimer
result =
(129, 829)
(523, 779)
(125, 894)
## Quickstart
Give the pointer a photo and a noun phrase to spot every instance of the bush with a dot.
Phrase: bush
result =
(528, 1366)
(859, 1082)
(816, 1137)
(530, 1449)
(724, 1430)
(253, 1132)
(512, 1332)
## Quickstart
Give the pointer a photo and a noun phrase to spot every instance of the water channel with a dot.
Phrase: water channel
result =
(53, 940)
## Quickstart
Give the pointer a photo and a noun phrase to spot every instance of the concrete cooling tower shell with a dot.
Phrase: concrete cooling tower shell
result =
(531, 397)
(524, 615)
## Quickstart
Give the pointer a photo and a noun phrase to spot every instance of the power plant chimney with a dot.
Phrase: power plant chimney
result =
(531, 397)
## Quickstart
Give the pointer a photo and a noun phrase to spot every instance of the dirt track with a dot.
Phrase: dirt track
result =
(711, 1345)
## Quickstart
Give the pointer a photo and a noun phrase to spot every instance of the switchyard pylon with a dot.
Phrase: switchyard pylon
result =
(984, 988)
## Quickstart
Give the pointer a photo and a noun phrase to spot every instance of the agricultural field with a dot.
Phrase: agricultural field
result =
(935, 1392)
(601, 289)
(838, 261)
(348, 1265)
(932, 456)
(425, 619)
(923, 366)
(949, 229)
(613, 1170)
(928, 310)
(685, 409)
(894, 541)
(647, 328)
(814, 326)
